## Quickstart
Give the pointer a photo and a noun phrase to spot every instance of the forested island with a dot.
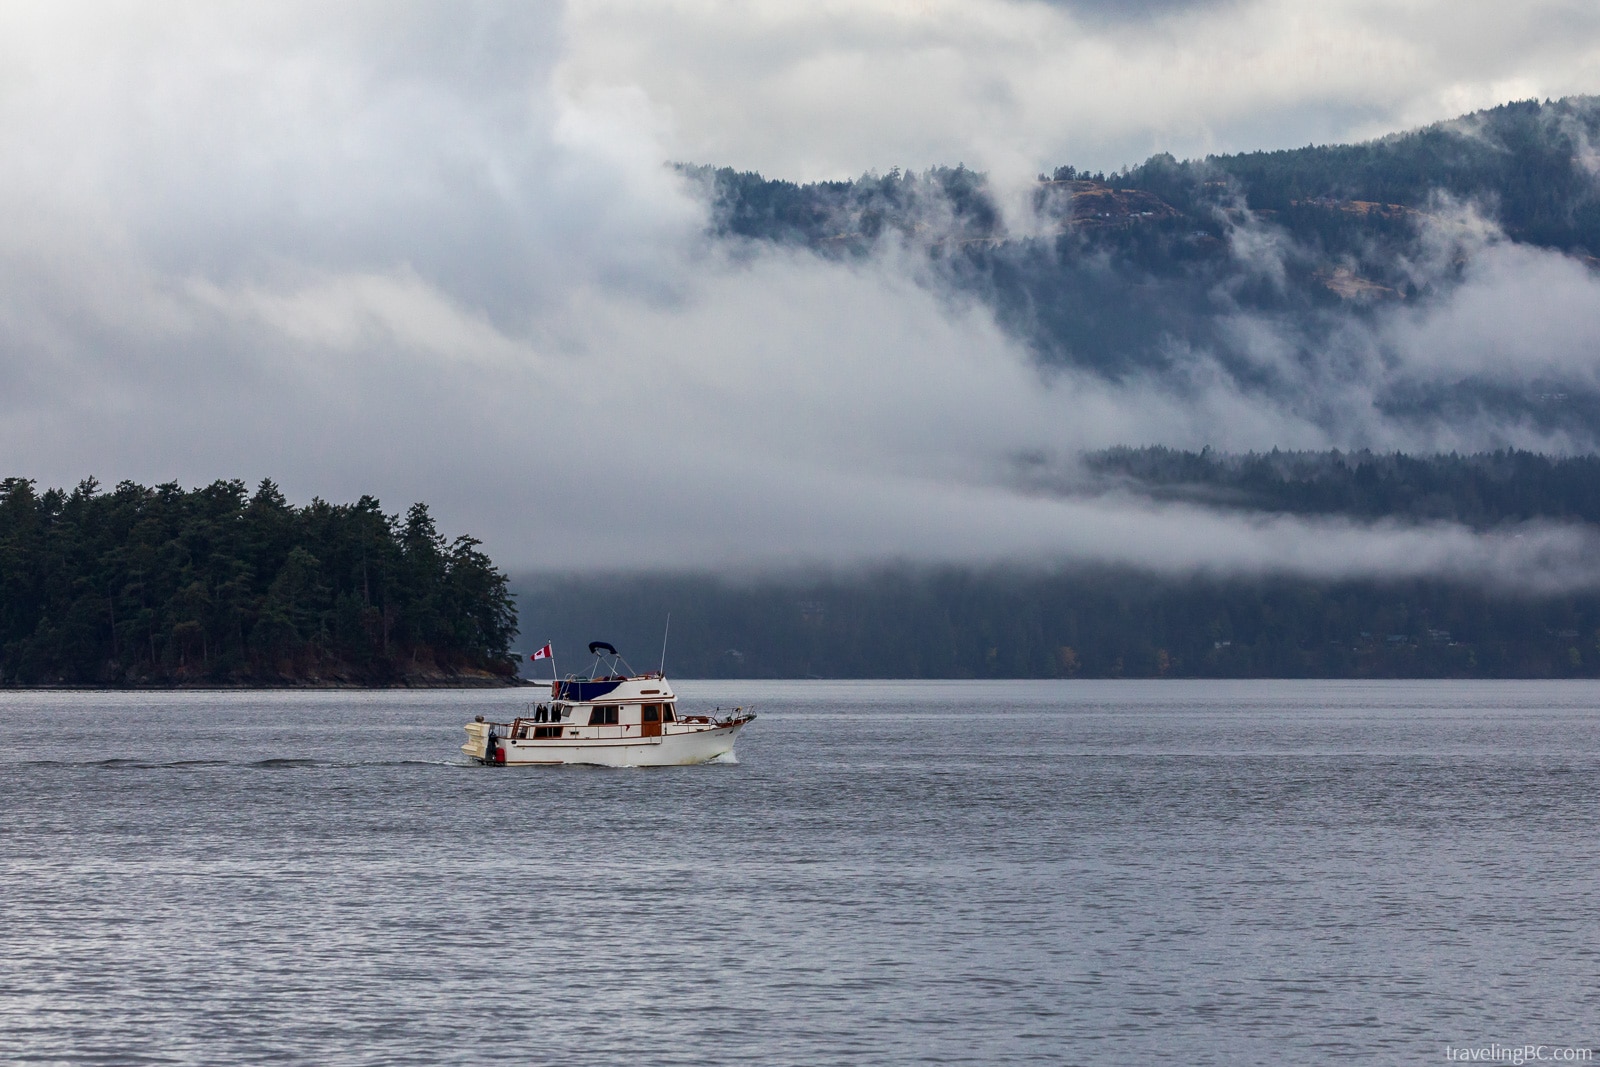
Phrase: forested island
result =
(1085, 621)
(219, 586)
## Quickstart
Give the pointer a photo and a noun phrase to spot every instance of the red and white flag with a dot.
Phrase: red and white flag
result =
(542, 653)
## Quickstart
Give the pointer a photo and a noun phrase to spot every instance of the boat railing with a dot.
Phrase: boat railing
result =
(521, 728)
(500, 728)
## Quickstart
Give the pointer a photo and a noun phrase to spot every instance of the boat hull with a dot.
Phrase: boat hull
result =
(669, 750)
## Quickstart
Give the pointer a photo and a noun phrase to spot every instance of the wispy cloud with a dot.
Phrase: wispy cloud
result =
(1013, 87)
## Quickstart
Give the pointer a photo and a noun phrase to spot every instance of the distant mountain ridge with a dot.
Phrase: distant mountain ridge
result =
(1398, 290)
(1313, 252)
(1536, 164)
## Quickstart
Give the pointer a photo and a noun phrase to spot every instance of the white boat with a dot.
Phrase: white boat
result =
(613, 718)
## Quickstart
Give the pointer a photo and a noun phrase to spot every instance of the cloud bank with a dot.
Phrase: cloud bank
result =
(433, 253)
(1017, 87)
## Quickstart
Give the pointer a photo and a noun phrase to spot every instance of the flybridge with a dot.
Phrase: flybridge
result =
(606, 675)
(588, 689)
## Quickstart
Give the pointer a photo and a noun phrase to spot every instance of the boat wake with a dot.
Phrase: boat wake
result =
(131, 764)
(268, 763)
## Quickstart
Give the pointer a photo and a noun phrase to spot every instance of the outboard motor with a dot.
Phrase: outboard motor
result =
(492, 753)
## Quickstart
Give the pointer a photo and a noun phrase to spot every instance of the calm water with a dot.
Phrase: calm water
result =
(892, 873)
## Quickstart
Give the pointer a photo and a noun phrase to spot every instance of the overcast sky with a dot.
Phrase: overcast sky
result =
(429, 251)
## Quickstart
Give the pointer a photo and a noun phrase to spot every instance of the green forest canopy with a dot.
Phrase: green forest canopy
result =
(215, 585)
(1117, 622)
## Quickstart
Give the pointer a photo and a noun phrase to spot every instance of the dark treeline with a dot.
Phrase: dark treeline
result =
(849, 215)
(1482, 490)
(216, 585)
(1102, 623)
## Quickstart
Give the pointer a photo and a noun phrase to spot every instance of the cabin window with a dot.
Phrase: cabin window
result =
(546, 731)
(666, 714)
(603, 717)
(652, 713)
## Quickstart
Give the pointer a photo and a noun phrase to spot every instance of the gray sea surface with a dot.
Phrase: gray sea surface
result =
(892, 872)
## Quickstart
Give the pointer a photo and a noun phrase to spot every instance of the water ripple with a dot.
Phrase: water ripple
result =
(889, 874)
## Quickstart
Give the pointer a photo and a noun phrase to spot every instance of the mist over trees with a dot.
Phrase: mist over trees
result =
(1285, 274)
(1277, 269)
(1291, 274)
(1534, 163)
(217, 585)
(1398, 289)
(1120, 622)
(1532, 166)
(1482, 491)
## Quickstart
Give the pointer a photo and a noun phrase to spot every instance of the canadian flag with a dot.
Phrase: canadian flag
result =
(542, 653)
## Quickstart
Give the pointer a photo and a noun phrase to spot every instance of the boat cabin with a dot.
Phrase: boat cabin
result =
(637, 710)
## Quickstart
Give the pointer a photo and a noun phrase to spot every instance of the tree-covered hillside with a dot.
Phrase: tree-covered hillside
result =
(1266, 271)
(216, 585)
(1481, 491)
(1073, 623)
(1531, 166)
(1110, 622)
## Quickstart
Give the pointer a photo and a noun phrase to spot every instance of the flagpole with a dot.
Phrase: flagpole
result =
(548, 651)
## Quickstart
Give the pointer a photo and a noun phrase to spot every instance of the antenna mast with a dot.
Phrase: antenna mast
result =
(664, 631)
